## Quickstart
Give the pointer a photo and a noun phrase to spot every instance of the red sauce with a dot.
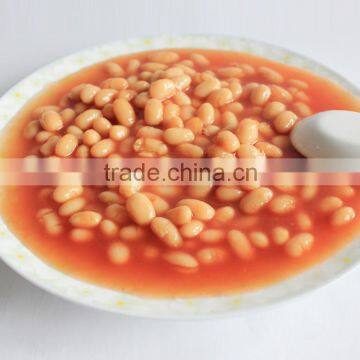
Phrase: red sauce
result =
(89, 262)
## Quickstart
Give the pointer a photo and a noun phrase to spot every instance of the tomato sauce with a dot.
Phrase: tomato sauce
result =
(88, 261)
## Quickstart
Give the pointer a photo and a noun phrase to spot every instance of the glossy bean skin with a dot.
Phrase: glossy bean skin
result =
(280, 235)
(330, 204)
(177, 136)
(273, 109)
(284, 122)
(162, 89)
(124, 112)
(51, 221)
(179, 215)
(140, 209)
(254, 201)
(102, 148)
(190, 151)
(282, 204)
(66, 192)
(260, 95)
(228, 141)
(181, 258)
(211, 255)
(166, 231)
(118, 132)
(240, 245)
(85, 120)
(132, 233)
(191, 229)
(113, 69)
(259, 239)
(102, 126)
(72, 206)
(342, 216)
(154, 112)
(205, 88)
(206, 113)
(31, 129)
(247, 131)
(200, 209)
(85, 219)
(211, 236)
(299, 244)
(51, 120)
(81, 235)
(66, 145)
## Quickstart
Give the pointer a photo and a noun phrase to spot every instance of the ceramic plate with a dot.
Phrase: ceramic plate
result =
(18, 257)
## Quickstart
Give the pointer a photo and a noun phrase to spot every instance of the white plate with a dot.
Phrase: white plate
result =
(18, 257)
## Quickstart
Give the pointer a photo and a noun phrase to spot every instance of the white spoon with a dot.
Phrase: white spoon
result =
(328, 134)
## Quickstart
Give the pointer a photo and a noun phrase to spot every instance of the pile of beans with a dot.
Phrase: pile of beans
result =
(169, 104)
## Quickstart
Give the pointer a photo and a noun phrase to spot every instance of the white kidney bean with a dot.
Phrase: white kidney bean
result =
(190, 150)
(248, 131)
(270, 150)
(241, 245)
(66, 145)
(282, 204)
(72, 206)
(299, 244)
(132, 233)
(270, 75)
(162, 89)
(102, 148)
(191, 229)
(342, 216)
(66, 192)
(81, 235)
(160, 205)
(51, 121)
(118, 253)
(272, 110)
(177, 136)
(51, 221)
(303, 221)
(211, 255)
(200, 209)
(31, 129)
(140, 209)
(179, 215)
(259, 239)
(108, 228)
(212, 236)
(284, 122)
(117, 213)
(220, 97)
(227, 140)
(165, 230)
(85, 120)
(280, 235)
(153, 112)
(255, 200)
(260, 95)
(124, 112)
(102, 126)
(206, 113)
(329, 204)
(85, 219)
(180, 258)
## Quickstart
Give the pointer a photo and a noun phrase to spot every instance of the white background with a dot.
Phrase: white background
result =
(35, 325)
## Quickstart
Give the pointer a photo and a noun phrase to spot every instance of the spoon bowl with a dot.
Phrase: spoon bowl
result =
(328, 134)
